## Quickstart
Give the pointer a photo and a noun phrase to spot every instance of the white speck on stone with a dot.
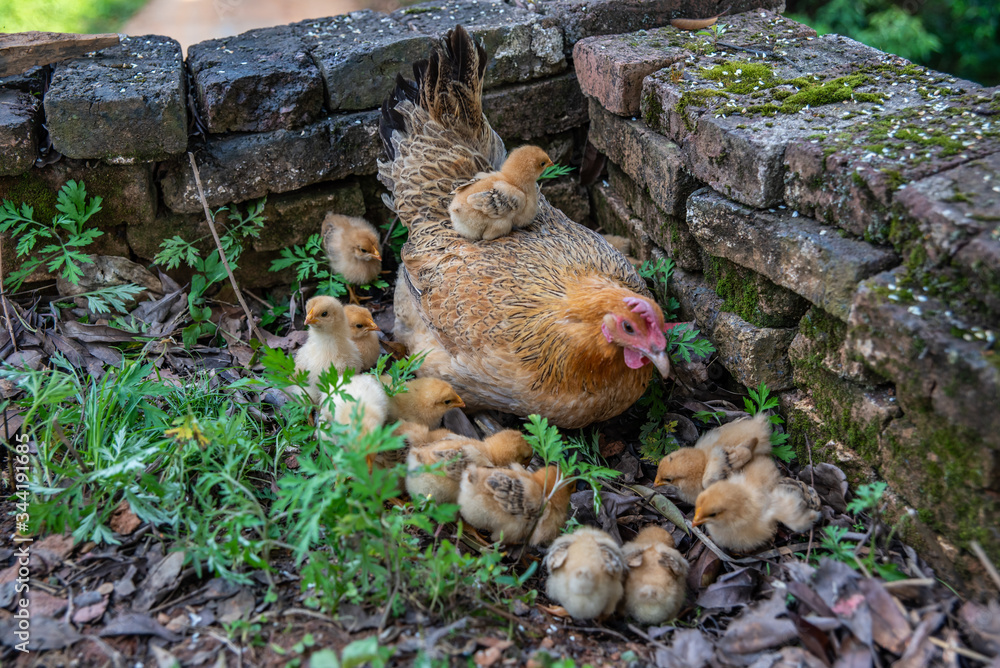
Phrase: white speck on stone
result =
(915, 310)
(822, 233)
(921, 298)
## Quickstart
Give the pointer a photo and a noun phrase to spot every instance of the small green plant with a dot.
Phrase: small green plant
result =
(833, 542)
(109, 298)
(714, 31)
(709, 416)
(209, 270)
(658, 275)
(310, 264)
(397, 236)
(66, 235)
(760, 400)
(555, 171)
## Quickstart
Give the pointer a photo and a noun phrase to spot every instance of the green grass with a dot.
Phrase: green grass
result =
(82, 16)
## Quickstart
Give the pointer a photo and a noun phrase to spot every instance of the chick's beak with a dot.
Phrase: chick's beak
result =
(699, 519)
(311, 317)
(459, 403)
(375, 254)
(371, 327)
(657, 482)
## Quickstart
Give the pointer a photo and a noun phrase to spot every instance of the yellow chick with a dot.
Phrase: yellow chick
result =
(508, 501)
(741, 512)
(505, 448)
(795, 504)
(365, 394)
(656, 585)
(329, 342)
(426, 400)
(716, 455)
(493, 203)
(352, 247)
(364, 334)
(441, 485)
(586, 569)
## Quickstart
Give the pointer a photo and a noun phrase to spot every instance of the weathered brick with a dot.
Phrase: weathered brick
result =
(125, 103)
(18, 131)
(912, 343)
(652, 160)
(291, 219)
(584, 18)
(242, 167)
(536, 108)
(797, 253)
(567, 195)
(753, 355)
(613, 216)
(751, 295)
(734, 116)
(820, 345)
(666, 231)
(258, 81)
(521, 46)
(851, 173)
(955, 218)
(359, 55)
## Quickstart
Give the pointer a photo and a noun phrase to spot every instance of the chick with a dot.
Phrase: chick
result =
(426, 400)
(621, 244)
(739, 512)
(795, 504)
(716, 455)
(494, 202)
(364, 394)
(329, 343)
(364, 334)
(505, 448)
(509, 502)
(441, 485)
(352, 247)
(657, 577)
(586, 569)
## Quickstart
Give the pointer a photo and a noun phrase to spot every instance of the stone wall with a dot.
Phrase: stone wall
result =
(834, 213)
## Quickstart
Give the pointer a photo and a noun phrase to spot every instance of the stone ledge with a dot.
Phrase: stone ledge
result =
(753, 355)
(123, 104)
(797, 253)
(241, 167)
(614, 217)
(536, 108)
(18, 131)
(258, 81)
(911, 342)
(656, 163)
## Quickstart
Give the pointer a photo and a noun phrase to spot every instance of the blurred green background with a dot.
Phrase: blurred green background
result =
(84, 16)
(957, 36)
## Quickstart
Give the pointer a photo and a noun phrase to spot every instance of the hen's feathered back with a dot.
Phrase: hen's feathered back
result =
(510, 323)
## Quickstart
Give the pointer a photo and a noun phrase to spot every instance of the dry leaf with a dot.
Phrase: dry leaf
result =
(731, 590)
(136, 624)
(159, 582)
(123, 520)
(662, 504)
(759, 628)
(693, 24)
(90, 613)
(889, 626)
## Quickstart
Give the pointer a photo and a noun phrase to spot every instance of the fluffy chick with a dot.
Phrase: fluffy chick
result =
(425, 401)
(586, 569)
(507, 502)
(494, 202)
(795, 504)
(716, 455)
(351, 245)
(742, 512)
(366, 395)
(657, 577)
(505, 448)
(329, 342)
(364, 334)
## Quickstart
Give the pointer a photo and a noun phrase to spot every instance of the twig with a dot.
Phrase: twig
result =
(388, 233)
(222, 255)
(645, 636)
(967, 653)
(3, 296)
(812, 482)
(598, 629)
(987, 564)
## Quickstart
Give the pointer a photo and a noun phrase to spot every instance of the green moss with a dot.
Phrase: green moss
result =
(692, 97)
(826, 331)
(27, 189)
(959, 197)
(652, 111)
(741, 291)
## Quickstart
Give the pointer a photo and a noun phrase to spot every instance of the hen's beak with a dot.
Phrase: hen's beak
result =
(311, 317)
(699, 519)
(661, 361)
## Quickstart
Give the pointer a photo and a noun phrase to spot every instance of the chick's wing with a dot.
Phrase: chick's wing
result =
(515, 495)
(499, 201)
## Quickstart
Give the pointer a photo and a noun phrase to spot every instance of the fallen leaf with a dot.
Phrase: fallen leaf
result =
(919, 649)
(457, 422)
(889, 626)
(86, 333)
(46, 634)
(123, 520)
(693, 24)
(983, 622)
(49, 553)
(43, 604)
(137, 624)
(159, 582)
(685, 431)
(164, 659)
(730, 590)
(629, 467)
(809, 598)
(662, 504)
(816, 641)
(690, 649)
(705, 569)
(830, 484)
(89, 613)
(237, 607)
(759, 628)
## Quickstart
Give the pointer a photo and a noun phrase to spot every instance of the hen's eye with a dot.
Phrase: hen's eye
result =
(628, 328)
(324, 314)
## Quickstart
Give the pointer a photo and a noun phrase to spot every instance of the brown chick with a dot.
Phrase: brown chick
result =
(329, 343)
(441, 484)
(509, 503)
(656, 585)
(795, 504)
(716, 455)
(586, 569)
(493, 203)
(740, 512)
(364, 333)
(505, 448)
(352, 247)
(426, 400)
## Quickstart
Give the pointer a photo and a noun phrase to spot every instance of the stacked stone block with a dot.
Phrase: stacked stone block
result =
(835, 216)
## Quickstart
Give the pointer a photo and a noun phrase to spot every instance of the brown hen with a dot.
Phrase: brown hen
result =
(548, 319)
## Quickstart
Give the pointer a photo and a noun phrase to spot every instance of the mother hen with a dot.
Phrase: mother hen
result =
(549, 319)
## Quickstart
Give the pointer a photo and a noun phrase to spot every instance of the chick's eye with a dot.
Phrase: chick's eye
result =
(628, 328)
(324, 314)
(447, 402)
